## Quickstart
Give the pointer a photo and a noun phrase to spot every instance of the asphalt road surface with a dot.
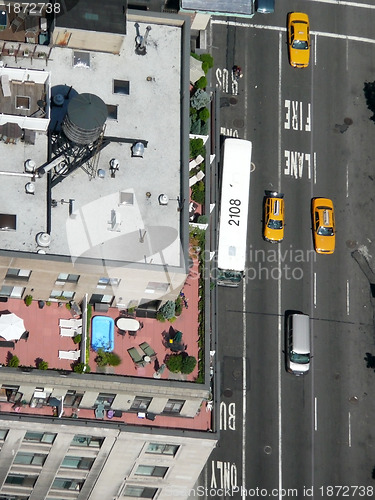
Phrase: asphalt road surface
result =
(284, 436)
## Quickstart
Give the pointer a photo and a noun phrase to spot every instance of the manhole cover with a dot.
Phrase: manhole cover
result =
(351, 243)
(237, 374)
(228, 393)
(238, 123)
(268, 450)
(348, 121)
(354, 400)
(233, 100)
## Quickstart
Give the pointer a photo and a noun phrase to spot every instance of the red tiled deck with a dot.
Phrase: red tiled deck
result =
(45, 341)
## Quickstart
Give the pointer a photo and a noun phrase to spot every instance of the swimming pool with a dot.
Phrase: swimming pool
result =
(102, 333)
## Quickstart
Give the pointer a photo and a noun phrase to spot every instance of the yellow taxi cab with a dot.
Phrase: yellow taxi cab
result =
(298, 39)
(323, 219)
(273, 229)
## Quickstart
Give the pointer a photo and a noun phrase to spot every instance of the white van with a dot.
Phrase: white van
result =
(298, 343)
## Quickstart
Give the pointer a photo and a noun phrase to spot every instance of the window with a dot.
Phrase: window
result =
(112, 111)
(15, 292)
(3, 434)
(105, 399)
(97, 298)
(83, 463)
(21, 480)
(29, 458)
(13, 497)
(90, 441)
(22, 102)
(140, 492)
(162, 449)
(140, 403)
(39, 437)
(154, 286)
(121, 87)
(151, 470)
(67, 484)
(73, 399)
(57, 294)
(18, 274)
(174, 406)
(103, 282)
(81, 59)
(67, 278)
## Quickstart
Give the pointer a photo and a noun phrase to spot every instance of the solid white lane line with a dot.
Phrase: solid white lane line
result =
(347, 298)
(244, 388)
(347, 180)
(315, 413)
(347, 4)
(282, 29)
(279, 341)
(315, 48)
(350, 431)
(314, 289)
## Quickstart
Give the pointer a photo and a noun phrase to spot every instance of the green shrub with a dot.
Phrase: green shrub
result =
(195, 127)
(188, 364)
(160, 317)
(174, 363)
(204, 128)
(105, 358)
(178, 304)
(201, 83)
(168, 310)
(197, 192)
(113, 359)
(48, 303)
(77, 338)
(197, 147)
(205, 67)
(207, 58)
(68, 306)
(202, 219)
(43, 365)
(172, 320)
(13, 362)
(204, 114)
(80, 368)
(196, 56)
(28, 300)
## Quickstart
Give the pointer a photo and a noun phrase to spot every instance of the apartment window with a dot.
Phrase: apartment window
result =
(140, 403)
(3, 434)
(151, 470)
(29, 458)
(14, 292)
(105, 399)
(63, 483)
(67, 278)
(63, 294)
(13, 497)
(139, 492)
(82, 463)
(40, 437)
(22, 102)
(121, 87)
(73, 399)
(174, 406)
(112, 111)
(162, 449)
(103, 282)
(89, 441)
(21, 480)
(155, 287)
(18, 274)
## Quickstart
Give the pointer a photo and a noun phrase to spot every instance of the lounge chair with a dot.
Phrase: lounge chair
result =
(136, 356)
(73, 355)
(67, 332)
(196, 178)
(197, 161)
(99, 411)
(70, 323)
(148, 350)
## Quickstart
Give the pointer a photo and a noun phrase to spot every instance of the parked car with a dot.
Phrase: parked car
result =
(265, 6)
(323, 221)
(273, 217)
(298, 39)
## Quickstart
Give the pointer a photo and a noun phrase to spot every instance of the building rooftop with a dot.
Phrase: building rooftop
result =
(111, 217)
(230, 7)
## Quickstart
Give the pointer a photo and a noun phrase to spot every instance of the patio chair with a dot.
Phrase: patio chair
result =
(197, 161)
(72, 355)
(148, 350)
(136, 356)
(67, 332)
(99, 411)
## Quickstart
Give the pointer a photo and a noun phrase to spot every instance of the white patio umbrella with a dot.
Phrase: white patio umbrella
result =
(11, 326)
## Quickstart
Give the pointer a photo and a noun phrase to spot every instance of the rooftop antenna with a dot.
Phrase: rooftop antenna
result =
(140, 41)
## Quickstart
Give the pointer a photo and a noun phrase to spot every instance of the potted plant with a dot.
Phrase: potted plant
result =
(26, 53)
